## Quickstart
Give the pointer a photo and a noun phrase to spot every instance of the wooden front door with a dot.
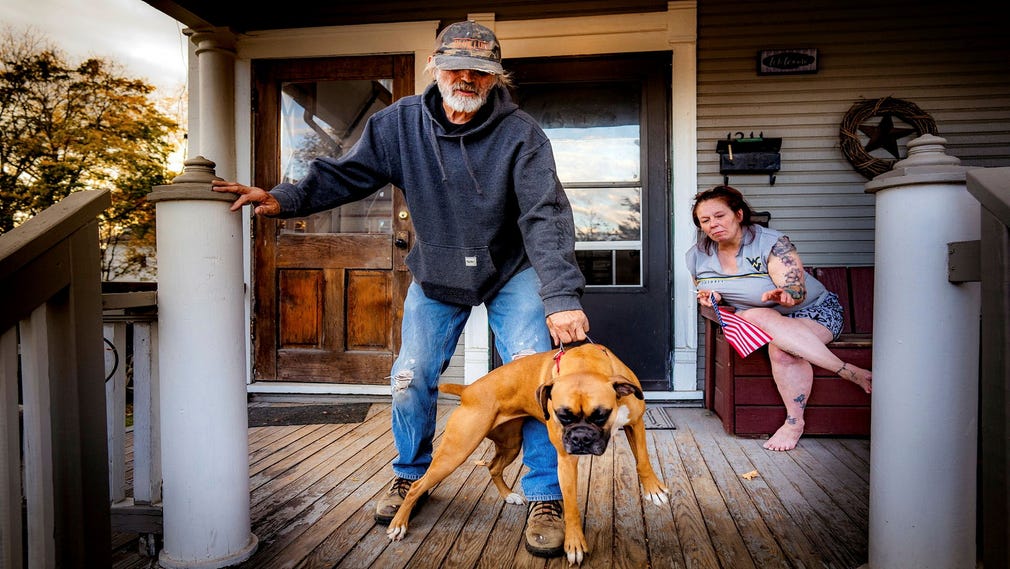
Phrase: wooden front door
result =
(329, 287)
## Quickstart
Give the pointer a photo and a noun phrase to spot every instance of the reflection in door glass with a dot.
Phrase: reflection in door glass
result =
(606, 214)
(326, 118)
(595, 135)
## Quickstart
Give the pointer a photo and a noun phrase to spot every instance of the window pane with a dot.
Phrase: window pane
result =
(606, 214)
(597, 267)
(628, 270)
(594, 129)
(326, 119)
(610, 267)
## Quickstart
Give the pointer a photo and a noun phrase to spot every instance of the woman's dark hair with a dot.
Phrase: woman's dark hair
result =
(733, 200)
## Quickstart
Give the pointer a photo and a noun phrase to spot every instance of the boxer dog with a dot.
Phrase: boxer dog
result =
(584, 395)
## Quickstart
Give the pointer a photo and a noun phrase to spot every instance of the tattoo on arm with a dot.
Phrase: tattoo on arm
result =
(795, 285)
(785, 252)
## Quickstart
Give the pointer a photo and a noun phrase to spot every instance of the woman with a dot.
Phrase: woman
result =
(757, 271)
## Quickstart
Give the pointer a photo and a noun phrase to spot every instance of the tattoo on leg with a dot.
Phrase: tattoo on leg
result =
(790, 419)
(802, 400)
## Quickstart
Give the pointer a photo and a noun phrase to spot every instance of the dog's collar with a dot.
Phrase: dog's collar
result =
(561, 351)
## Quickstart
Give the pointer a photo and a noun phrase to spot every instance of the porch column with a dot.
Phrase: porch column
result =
(925, 367)
(215, 99)
(201, 355)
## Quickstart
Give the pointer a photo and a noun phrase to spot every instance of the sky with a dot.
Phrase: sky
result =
(149, 44)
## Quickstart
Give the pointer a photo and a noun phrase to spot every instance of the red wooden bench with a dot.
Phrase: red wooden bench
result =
(742, 392)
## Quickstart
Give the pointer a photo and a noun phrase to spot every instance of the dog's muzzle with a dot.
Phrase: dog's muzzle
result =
(584, 439)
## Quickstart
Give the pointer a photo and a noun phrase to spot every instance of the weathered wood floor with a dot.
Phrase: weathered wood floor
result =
(314, 488)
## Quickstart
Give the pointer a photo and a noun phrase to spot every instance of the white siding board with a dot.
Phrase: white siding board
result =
(950, 59)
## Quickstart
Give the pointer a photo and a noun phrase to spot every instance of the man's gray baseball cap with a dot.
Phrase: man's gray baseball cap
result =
(468, 45)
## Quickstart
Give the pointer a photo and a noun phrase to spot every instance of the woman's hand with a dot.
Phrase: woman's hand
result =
(265, 203)
(705, 297)
(779, 296)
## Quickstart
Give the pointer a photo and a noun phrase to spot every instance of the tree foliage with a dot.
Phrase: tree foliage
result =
(70, 127)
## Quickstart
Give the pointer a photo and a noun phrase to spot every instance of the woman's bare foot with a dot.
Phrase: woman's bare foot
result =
(861, 377)
(786, 437)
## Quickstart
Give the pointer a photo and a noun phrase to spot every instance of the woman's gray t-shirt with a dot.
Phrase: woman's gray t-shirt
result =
(743, 289)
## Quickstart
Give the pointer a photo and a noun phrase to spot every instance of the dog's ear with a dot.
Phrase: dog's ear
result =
(544, 395)
(623, 387)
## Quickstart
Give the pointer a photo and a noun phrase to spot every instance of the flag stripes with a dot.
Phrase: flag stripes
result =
(741, 334)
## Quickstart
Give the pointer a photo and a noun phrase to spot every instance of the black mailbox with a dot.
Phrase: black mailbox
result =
(749, 155)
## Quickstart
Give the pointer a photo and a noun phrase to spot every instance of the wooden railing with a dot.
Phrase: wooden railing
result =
(131, 363)
(988, 261)
(51, 349)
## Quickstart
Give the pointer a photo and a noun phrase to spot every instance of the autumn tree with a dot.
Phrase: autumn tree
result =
(70, 127)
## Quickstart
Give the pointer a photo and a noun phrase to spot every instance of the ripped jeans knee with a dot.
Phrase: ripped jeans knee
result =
(523, 353)
(401, 380)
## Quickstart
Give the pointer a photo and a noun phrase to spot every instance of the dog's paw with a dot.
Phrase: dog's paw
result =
(514, 498)
(576, 549)
(658, 495)
(396, 532)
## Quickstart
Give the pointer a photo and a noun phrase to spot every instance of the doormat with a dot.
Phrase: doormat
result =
(659, 418)
(276, 416)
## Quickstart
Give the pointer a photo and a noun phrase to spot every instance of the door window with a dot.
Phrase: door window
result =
(595, 133)
(326, 118)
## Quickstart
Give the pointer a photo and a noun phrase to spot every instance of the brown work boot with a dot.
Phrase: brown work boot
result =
(390, 502)
(545, 529)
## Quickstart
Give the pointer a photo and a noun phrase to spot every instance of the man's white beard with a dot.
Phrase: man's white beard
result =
(459, 103)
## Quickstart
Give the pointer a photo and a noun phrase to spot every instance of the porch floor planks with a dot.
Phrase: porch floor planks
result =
(292, 482)
(374, 549)
(478, 530)
(851, 495)
(696, 549)
(726, 539)
(454, 499)
(630, 538)
(313, 491)
(295, 452)
(763, 548)
(790, 541)
(832, 532)
(281, 501)
(338, 495)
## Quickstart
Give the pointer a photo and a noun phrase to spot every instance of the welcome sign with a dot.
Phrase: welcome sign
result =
(780, 61)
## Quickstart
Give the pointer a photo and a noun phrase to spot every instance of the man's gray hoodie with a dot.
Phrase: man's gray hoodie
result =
(485, 199)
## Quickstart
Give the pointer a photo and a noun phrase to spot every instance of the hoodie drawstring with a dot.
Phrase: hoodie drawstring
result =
(469, 167)
(438, 153)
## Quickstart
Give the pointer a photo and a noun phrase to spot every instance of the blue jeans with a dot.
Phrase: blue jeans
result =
(431, 330)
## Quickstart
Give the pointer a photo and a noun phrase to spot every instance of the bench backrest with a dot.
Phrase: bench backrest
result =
(854, 287)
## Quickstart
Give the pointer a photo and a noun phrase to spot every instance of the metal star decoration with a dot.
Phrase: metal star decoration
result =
(885, 135)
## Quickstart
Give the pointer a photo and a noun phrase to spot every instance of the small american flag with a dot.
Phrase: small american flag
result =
(742, 335)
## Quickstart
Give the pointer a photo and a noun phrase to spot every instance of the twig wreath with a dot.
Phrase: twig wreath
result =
(848, 132)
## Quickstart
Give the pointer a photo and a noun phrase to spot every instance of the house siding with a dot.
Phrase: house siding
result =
(950, 59)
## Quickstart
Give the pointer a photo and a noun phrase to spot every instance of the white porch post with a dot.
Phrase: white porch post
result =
(925, 367)
(201, 355)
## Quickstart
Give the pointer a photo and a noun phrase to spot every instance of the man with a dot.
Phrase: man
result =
(493, 226)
